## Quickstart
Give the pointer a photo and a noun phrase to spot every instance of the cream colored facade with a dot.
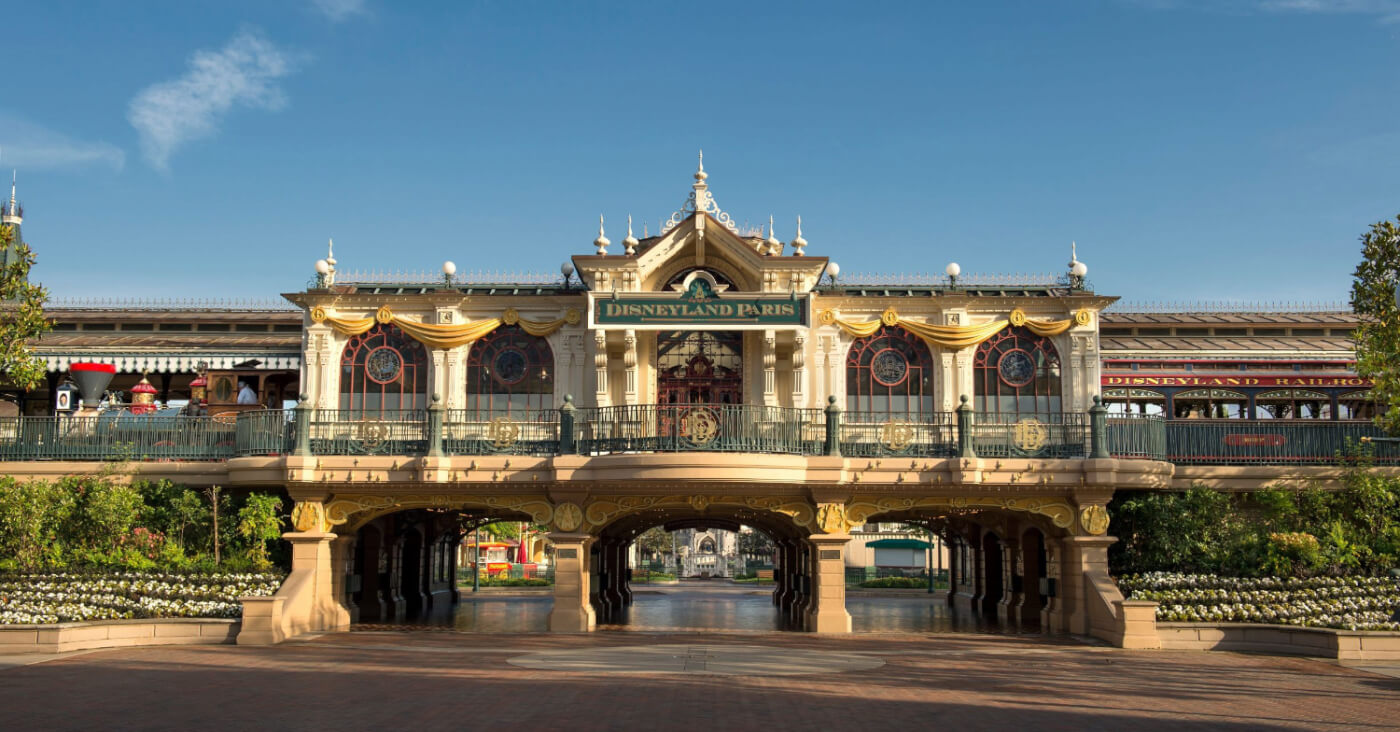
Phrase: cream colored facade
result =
(1009, 522)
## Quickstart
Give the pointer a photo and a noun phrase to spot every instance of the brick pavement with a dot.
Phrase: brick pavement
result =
(446, 680)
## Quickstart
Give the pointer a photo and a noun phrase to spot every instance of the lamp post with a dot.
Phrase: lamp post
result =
(952, 270)
(566, 269)
(323, 268)
(833, 270)
(449, 268)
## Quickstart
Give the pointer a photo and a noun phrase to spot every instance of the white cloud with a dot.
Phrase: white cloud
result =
(243, 73)
(28, 146)
(338, 10)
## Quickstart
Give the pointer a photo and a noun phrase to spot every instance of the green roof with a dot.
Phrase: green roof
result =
(898, 544)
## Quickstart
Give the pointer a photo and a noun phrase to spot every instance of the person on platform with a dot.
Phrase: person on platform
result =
(246, 395)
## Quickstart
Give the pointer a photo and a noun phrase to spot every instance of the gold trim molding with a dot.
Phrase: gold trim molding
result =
(355, 511)
(862, 507)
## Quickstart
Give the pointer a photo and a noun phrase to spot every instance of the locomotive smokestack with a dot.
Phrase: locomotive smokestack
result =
(92, 379)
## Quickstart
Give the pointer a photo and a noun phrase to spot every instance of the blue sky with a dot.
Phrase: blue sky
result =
(1195, 149)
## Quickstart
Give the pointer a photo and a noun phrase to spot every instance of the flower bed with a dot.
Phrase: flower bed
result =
(55, 597)
(1349, 603)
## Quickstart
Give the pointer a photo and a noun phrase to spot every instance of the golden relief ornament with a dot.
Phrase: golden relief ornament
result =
(372, 434)
(897, 436)
(700, 426)
(573, 316)
(1094, 519)
(318, 315)
(889, 317)
(826, 317)
(831, 518)
(568, 516)
(1082, 317)
(1030, 435)
(1017, 317)
(511, 316)
(503, 432)
(356, 510)
(384, 315)
(309, 516)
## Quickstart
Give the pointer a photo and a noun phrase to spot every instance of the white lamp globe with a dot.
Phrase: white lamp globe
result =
(953, 270)
(322, 266)
(449, 268)
(1079, 269)
(567, 268)
(833, 269)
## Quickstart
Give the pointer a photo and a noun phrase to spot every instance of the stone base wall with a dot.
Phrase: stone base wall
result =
(61, 637)
(1343, 645)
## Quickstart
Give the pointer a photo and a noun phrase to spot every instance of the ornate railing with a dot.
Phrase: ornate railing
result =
(1275, 442)
(362, 432)
(116, 436)
(699, 428)
(878, 434)
(1062, 435)
(492, 432)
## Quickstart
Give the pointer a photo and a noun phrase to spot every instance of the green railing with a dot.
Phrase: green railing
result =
(116, 436)
(356, 432)
(266, 432)
(699, 428)
(492, 432)
(878, 434)
(1136, 436)
(1273, 441)
(1055, 435)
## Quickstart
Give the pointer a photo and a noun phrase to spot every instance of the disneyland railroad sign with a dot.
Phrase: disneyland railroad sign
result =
(699, 305)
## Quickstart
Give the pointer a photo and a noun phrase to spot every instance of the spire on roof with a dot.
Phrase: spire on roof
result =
(602, 241)
(631, 241)
(774, 246)
(330, 251)
(798, 243)
(700, 174)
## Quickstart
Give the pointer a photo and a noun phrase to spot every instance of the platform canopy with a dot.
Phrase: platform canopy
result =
(898, 544)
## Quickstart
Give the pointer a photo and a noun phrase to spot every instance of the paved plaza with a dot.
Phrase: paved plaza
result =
(641, 680)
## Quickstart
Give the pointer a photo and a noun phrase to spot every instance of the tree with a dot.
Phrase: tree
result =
(21, 315)
(755, 543)
(1378, 335)
(259, 523)
(654, 542)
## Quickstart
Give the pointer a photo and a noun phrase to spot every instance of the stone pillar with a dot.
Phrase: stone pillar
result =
(305, 603)
(343, 564)
(1083, 561)
(827, 610)
(573, 612)
(954, 576)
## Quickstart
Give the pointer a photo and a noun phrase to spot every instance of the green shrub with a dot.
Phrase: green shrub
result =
(896, 583)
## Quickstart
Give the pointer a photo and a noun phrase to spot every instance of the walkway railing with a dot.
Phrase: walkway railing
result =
(695, 428)
(700, 428)
(1274, 442)
(122, 436)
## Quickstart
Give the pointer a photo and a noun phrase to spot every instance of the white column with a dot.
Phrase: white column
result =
(600, 365)
(770, 368)
(799, 373)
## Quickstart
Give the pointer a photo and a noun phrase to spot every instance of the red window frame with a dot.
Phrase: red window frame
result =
(532, 391)
(1044, 387)
(914, 391)
(406, 391)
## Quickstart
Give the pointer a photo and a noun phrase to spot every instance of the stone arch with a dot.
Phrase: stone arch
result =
(349, 512)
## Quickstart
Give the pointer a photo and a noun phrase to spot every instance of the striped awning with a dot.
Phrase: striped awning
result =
(167, 363)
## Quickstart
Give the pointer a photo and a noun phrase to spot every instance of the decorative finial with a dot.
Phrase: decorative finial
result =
(330, 251)
(602, 241)
(631, 241)
(774, 246)
(700, 174)
(1073, 257)
(798, 243)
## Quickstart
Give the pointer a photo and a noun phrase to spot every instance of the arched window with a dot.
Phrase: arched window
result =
(890, 372)
(1210, 404)
(1135, 401)
(707, 546)
(383, 370)
(510, 370)
(1016, 372)
(1292, 404)
(1356, 405)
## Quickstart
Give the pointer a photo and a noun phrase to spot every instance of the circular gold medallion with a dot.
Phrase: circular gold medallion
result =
(1017, 317)
(1030, 435)
(1094, 519)
(384, 314)
(889, 317)
(511, 316)
(572, 316)
(827, 317)
(318, 314)
(1082, 317)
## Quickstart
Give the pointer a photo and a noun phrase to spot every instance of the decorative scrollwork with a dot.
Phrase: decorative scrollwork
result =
(1030, 435)
(896, 436)
(699, 201)
(862, 507)
(357, 510)
(700, 426)
(371, 435)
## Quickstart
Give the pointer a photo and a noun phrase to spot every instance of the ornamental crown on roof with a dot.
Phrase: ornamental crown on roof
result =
(687, 242)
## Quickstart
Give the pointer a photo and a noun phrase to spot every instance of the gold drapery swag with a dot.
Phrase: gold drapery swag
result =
(444, 335)
(955, 336)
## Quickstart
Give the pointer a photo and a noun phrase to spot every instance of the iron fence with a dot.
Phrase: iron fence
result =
(1274, 442)
(878, 434)
(116, 436)
(700, 428)
(355, 432)
(1136, 436)
(265, 432)
(1058, 435)
(493, 432)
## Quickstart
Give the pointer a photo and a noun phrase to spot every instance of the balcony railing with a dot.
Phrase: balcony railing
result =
(700, 428)
(692, 428)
